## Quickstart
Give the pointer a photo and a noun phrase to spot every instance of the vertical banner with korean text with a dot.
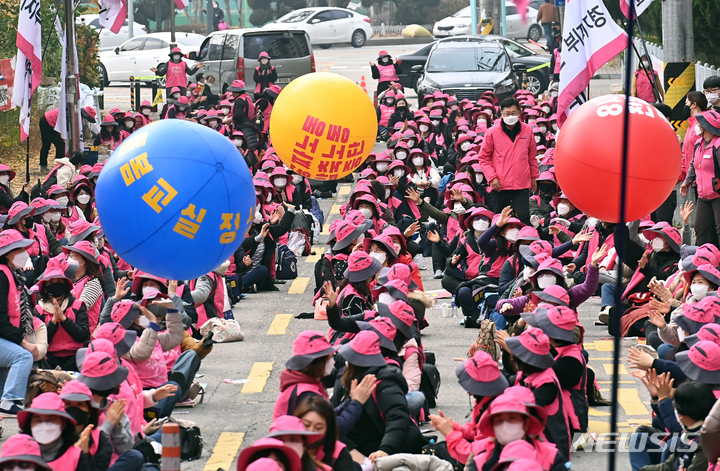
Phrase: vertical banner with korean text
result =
(590, 39)
(28, 65)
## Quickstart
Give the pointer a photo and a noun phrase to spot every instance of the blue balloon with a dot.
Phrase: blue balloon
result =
(175, 199)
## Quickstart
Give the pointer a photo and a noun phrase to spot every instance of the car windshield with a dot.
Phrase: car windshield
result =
(468, 59)
(295, 16)
(279, 45)
(464, 13)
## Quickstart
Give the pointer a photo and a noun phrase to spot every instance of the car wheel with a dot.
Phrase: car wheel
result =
(534, 33)
(103, 76)
(161, 82)
(535, 83)
(324, 46)
(358, 38)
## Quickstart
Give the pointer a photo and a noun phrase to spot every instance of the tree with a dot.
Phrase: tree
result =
(410, 11)
(265, 11)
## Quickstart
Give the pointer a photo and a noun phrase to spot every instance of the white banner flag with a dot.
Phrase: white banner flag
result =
(640, 7)
(62, 124)
(28, 68)
(590, 39)
(113, 14)
(181, 4)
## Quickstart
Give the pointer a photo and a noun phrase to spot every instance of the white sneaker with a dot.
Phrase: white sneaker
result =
(438, 274)
(583, 441)
(647, 349)
(604, 315)
(420, 261)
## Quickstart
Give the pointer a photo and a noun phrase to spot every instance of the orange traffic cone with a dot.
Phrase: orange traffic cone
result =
(362, 84)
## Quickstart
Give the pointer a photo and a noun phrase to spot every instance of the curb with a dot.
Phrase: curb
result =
(397, 41)
(607, 77)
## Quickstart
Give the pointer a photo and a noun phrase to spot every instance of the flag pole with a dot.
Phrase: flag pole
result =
(620, 237)
(656, 92)
(27, 160)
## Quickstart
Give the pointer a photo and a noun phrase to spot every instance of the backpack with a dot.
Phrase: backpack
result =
(430, 384)
(485, 340)
(316, 211)
(286, 263)
(41, 189)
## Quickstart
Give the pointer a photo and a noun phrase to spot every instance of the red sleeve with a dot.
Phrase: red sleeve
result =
(485, 156)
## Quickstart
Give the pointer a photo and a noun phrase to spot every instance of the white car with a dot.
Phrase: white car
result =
(109, 40)
(135, 56)
(327, 26)
(460, 23)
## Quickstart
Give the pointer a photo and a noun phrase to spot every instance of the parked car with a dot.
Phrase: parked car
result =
(327, 26)
(467, 69)
(537, 80)
(109, 40)
(233, 54)
(135, 56)
(460, 23)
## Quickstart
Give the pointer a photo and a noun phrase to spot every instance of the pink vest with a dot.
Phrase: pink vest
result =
(250, 105)
(385, 113)
(536, 380)
(152, 372)
(473, 260)
(483, 449)
(558, 61)
(266, 115)
(258, 87)
(41, 246)
(175, 76)
(95, 434)
(704, 163)
(348, 290)
(453, 227)
(179, 114)
(387, 73)
(111, 142)
(135, 414)
(283, 401)
(62, 344)
(218, 299)
(94, 310)
(339, 446)
(13, 301)
(68, 461)
(644, 86)
(574, 351)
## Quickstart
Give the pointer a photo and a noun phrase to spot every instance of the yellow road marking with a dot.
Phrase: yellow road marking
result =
(224, 452)
(335, 209)
(609, 369)
(318, 254)
(629, 399)
(597, 413)
(298, 286)
(325, 230)
(604, 345)
(344, 190)
(280, 324)
(258, 376)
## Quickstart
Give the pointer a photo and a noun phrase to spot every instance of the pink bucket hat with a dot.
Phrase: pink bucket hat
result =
(480, 375)
(517, 450)
(57, 189)
(399, 271)
(384, 241)
(17, 211)
(247, 455)
(552, 265)
(512, 400)
(308, 346)
(40, 206)
(522, 464)
(125, 312)
(529, 252)
(55, 270)
(363, 350)
(80, 229)
(10, 239)
(361, 266)
(345, 233)
(694, 316)
(264, 464)
(396, 288)
(290, 425)
(5, 169)
(140, 276)
(708, 332)
(385, 329)
(401, 315)
(554, 294)
(84, 248)
(475, 213)
(97, 345)
(75, 390)
(669, 233)
(532, 347)
(100, 371)
(22, 447)
(48, 403)
(707, 271)
(528, 233)
(701, 362)
(122, 339)
(557, 322)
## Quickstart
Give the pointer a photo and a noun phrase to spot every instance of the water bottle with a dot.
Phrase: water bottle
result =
(453, 309)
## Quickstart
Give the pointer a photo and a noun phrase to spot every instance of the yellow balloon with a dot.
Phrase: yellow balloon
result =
(323, 126)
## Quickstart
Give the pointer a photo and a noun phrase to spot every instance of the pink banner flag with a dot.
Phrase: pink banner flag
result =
(28, 64)
(640, 7)
(113, 14)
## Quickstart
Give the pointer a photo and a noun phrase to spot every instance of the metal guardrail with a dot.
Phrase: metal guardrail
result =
(395, 30)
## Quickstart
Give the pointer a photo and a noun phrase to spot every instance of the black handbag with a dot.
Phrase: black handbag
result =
(191, 443)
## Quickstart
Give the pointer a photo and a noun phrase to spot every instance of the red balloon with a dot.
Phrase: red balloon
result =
(588, 158)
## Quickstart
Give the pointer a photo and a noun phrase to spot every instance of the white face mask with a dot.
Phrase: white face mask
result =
(479, 178)
(424, 128)
(176, 95)
(542, 129)
(453, 108)
(399, 172)
(387, 194)
(149, 289)
(238, 142)
(531, 121)
(698, 130)
(20, 259)
(225, 110)
(258, 218)
(268, 198)
(280, 182)
(553, 94)
(212, 123)
(264, 61)
(563, 209)
(712, 98)
(143, 321)
(146, 111)
(458, 208)
(418, 161)
(411, 143)
(367, 213)
(63, 200)
(537, 139)
(389, 102)
(386, 298)
(512, 234)
(465, 146)
(527, 271)
(507, 432)
(47, 217)
(329, 366)
(46, 433)
(380, 257)
(297, 179)
(658, 244)
(401, 155)
(545, 280)
(546, 109)
(481, 225)
(176, 57)
(699, 291)
(55, 217)
(382, 166)
(360, 239)
(83, 199)
(511, 120)
(129, 124)
(482, 120)
(297, 447)
(435, 122)
(4, 179)
(555, 127)
(398, 247)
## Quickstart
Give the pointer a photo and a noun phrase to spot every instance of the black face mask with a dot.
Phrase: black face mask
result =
(401, 108)
(158, 311)
(686, 111)
(57, 290)
(28, 222)
(546, 189)
(71, 270)
(80, 416)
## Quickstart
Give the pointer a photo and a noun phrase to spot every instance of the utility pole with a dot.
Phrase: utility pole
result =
(485, 10)
(211, 15)
(677, 27)
(496, 16)
(71, 84)
(130, 17)
(172, 24)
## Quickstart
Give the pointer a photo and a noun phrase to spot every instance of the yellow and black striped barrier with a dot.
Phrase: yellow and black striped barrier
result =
(678, 80)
